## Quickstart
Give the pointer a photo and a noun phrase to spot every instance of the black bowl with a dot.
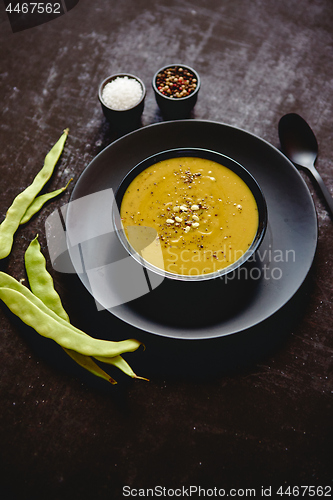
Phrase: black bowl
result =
(199, 153)
(174, 108)
(126, 119)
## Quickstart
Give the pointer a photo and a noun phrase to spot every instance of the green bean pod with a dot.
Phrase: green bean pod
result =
(120, 363)
(88, 364)
(7, 281)
(42, 287)
(62, 334)
(38, 203)
(40, 280)
(22, 201)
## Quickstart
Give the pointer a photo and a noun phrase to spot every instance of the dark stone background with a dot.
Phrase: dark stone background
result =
(246, 411)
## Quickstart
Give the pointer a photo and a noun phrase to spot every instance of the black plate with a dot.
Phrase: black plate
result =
(281, 265)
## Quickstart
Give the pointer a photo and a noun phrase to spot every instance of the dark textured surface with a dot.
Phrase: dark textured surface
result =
(247, 411)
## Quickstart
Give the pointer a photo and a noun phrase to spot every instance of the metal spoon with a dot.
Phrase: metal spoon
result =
(299, 144)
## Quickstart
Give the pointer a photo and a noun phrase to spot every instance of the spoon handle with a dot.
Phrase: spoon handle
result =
(327, 195)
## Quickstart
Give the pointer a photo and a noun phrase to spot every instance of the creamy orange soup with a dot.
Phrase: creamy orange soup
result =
(203, 215)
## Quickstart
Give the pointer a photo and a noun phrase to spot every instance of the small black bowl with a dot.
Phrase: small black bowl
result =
(199, 153)
(124, 119)
(174, 108)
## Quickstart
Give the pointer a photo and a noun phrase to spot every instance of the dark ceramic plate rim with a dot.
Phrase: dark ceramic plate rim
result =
(292, 217)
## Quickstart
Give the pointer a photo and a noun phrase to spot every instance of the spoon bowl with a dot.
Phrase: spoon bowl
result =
(299, 144)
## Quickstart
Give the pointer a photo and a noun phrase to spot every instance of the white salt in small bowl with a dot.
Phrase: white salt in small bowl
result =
(122, 99)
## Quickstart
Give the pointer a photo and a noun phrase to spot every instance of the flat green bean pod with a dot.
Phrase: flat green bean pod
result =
(38, 203)
(63, 334)
(40, 280)
(22, 201)
(86, 362)
(7, 281)
(42, 287)
(120, 363)
(89, 364)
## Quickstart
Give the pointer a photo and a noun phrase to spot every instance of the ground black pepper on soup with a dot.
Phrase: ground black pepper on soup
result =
(204, 215)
